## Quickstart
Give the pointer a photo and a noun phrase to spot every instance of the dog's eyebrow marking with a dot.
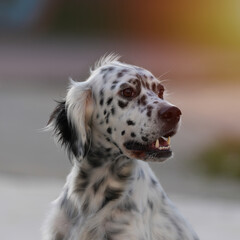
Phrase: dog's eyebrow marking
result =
(137, 85)
(123, 86)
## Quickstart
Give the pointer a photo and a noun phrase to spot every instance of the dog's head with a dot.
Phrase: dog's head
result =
(120, 108)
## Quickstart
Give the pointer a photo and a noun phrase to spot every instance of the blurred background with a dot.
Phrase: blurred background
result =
(193, 45)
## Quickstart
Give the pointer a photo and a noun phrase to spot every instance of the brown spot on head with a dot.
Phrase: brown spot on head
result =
(160, 90)
(136, 84)
(120, 74)
(138, 76)
(154, 87)
(149, 110)
(123, 85)
(143, 83)
(143, 100)
(160, 87)
(147, 85)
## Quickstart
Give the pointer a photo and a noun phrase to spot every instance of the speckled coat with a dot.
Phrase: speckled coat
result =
(109, 125)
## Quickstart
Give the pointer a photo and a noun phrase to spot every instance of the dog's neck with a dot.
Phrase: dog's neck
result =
(98, 180)
(102, 149)
(106, 175)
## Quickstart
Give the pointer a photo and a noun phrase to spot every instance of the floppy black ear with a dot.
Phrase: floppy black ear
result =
(70, 121)
(64, 131)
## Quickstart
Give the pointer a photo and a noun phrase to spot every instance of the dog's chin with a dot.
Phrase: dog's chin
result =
(150, 156)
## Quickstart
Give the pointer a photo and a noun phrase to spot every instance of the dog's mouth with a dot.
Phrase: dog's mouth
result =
(160, 148)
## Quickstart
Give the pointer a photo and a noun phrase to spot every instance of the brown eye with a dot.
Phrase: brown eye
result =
(128, 93)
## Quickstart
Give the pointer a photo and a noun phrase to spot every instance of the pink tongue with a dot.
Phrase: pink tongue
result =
(162, 142)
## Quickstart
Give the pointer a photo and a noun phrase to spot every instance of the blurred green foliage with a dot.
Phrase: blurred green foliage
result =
(222, 159)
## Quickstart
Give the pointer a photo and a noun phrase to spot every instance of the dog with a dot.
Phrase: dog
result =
(111, 125)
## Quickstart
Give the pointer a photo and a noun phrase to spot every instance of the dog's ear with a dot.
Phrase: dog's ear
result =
(71, 120)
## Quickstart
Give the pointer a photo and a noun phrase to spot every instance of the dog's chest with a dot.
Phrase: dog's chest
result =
(143, 213)
(143, 224)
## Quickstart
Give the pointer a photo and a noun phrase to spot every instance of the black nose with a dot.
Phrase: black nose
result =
(170, 114)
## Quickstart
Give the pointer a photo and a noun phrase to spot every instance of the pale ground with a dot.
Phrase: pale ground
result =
(33, 169)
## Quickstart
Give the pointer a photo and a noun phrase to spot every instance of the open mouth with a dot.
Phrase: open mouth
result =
(160, 148)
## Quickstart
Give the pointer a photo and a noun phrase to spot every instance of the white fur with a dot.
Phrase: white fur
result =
(110, 195)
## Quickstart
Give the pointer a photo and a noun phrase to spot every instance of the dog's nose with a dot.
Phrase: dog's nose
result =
(170, 114)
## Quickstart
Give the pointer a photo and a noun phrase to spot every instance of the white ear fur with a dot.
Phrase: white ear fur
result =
(79, 105)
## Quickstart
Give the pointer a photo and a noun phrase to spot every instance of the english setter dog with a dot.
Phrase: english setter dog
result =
(112, 125)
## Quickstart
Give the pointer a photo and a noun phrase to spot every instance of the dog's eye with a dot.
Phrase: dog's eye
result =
(128, 92)
(160, 92)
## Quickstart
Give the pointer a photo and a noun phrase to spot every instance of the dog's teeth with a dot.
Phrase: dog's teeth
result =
(164, 148)
(169, 140)
(157, 144)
